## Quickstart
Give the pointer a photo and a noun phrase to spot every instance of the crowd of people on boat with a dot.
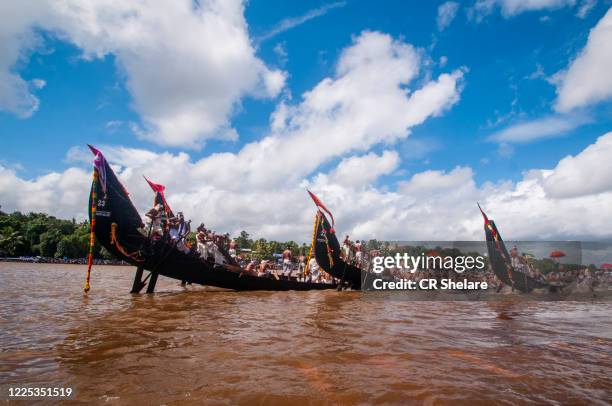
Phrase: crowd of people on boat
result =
(220, 249)
(287, 267)
(355, 253)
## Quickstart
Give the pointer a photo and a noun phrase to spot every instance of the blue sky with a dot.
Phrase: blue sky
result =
(511, 63)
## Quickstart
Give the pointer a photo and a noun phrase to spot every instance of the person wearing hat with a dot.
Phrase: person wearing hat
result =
(153, 221)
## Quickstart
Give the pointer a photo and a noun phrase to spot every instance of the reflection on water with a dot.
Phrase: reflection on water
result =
(199, 345)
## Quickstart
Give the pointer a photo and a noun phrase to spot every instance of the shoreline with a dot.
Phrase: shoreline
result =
(77, 261)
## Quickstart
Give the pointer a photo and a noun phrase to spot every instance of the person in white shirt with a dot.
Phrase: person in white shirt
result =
(263, 268)
(202, 247)
(153, 221)
(346, 249)
(358, 253)
(301, 267)
(287, 257)
(213, 251)
(232, 249)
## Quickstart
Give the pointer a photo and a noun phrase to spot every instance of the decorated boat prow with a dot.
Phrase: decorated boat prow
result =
(326, 248)
(501, 263)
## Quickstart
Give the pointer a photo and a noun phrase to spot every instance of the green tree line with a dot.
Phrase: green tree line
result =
(38, 234)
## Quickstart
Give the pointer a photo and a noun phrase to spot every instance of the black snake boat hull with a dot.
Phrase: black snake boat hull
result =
(501, 264)
(326, 250)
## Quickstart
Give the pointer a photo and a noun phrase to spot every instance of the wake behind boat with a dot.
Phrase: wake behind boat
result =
(118, 227)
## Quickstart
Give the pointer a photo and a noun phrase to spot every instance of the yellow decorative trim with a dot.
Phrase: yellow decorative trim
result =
(114, 241)
(312, 243)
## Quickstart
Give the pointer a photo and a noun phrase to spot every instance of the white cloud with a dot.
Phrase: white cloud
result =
(446, 14)
(588, 79)
(61, 194)
(38, 83)
(585, 8)
(289, 23)
(367, 102)
(16, 38)
(505, 150)
(538, 73)
(569, 201)
(584, 174)
(360, 171)
(547, 127)
(77, 154)
(511, 8)
(280, 50)
(186, 64)
(437, 182)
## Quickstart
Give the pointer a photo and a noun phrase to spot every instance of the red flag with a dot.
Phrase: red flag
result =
(320, 204)
(157, 188)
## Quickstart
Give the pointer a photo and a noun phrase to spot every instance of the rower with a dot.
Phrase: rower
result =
(287, 256)
(514, 258)
(183, 229)
(263, 268)
(202, 248)
(232, 249)
(250, 268)
(314, 270)
(301, 267)
(213, 249)
(358, 253)
(154, 221)
(346, 248)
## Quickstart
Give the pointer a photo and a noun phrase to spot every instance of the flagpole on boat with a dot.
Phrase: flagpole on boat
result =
(92, 225)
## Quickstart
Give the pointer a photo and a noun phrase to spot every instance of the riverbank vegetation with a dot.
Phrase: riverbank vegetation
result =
(38, 234)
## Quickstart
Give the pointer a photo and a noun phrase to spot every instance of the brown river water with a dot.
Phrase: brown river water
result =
(197, 346)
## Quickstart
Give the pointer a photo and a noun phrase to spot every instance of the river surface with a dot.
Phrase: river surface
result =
(197, 346)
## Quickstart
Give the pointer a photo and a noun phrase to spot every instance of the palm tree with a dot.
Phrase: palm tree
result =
(11, 242)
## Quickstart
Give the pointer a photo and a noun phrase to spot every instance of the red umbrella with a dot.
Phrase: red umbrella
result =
(557, 254)
(433, 253)
(606, 266)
